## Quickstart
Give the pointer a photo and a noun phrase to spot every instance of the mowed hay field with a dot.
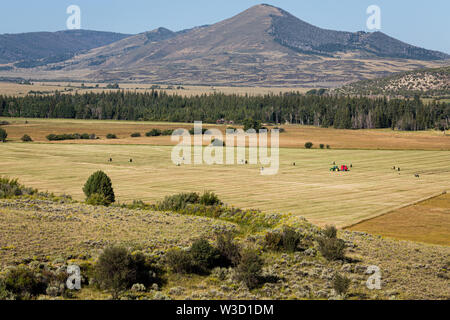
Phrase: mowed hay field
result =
(308, 189)
(295, 136)
(427, 221)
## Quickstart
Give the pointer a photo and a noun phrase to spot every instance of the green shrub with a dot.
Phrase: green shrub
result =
(12, 188)
(330, 232)
(179, 261)
(287, 240)
(23, 283)
(167, 132)
(249, 269)
(4, 293)
(3, 135)
(111, 136)
(97, 199)
(153, 133)
(210, 199)
(322, 146)
(332, 248)
(252, 124)
(204, 256)
(272, 241)
(112, 271)
(178, 201)
(74, 136)
(99, 183)
(145, 271)
(229, 250)
(117, 270)
(26, 138)
(328, 146)
(341, 284)
(135, 135)
(309, 145)
(290, 239)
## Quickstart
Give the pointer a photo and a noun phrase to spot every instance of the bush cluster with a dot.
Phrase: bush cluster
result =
(118, 270)
(12, 188)
(74, 136)
(330, 246)
(26, 138)
(287, 240)
(158, 132)
(135, 135)
(153, 133)
(309, 145)
(22, 283)
(192, 131)
(111, 136)
(182, 200)
(202, 256)
(249, 269)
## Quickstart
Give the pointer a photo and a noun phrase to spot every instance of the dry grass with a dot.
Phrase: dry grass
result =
(427, 221)
(308, 189)
(15, 89)
(294, 137)
(35, 228)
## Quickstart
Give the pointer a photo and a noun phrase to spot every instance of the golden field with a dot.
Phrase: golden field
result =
(308, 189)
(427, 221)
(294, 137)
(17, 89)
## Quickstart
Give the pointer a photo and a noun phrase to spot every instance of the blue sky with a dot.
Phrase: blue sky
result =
(418, 22)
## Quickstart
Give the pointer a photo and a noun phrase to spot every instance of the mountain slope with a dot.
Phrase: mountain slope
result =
(43, 45)
(262, 46)
(297, 34)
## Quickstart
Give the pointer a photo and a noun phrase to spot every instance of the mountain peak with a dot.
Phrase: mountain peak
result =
(263, 45)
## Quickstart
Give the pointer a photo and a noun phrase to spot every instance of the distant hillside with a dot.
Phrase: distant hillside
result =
(262, 46)
(304, 37)
(40, 48)
(427, 82)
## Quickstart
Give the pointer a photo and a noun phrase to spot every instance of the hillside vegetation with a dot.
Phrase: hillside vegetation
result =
(186, 256)
(434, 83)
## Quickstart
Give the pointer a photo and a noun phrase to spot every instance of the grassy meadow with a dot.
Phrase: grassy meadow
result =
(308, 189)
(295, 136)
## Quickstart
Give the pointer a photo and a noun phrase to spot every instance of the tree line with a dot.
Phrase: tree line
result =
(343, 112)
